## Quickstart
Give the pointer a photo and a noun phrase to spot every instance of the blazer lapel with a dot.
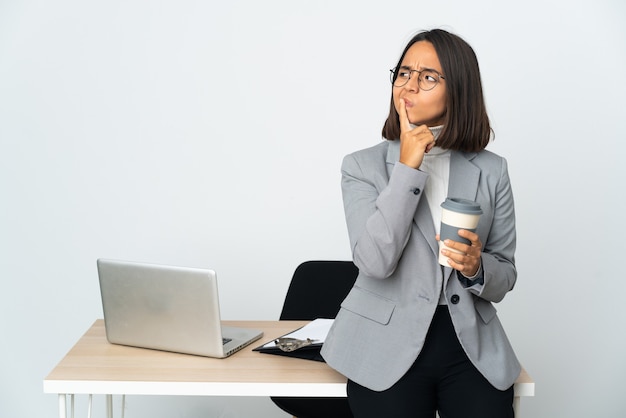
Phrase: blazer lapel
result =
(464, 176)
(424, 220)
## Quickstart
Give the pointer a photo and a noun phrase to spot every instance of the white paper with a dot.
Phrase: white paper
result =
(316, 330)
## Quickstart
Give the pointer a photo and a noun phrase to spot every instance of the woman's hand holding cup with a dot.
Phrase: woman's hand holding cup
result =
(465, 258)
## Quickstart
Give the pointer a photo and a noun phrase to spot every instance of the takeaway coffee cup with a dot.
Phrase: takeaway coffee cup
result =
(456, 214)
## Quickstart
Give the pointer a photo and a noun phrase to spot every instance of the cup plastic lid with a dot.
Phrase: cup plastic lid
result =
(457, 204)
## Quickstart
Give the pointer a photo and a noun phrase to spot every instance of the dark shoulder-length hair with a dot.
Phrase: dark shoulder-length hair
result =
(465, 124)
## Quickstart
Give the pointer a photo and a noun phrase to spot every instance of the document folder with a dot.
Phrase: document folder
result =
(304, 343)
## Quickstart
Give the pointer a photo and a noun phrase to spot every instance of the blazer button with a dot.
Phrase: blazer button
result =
(455, 299)
(416, 191)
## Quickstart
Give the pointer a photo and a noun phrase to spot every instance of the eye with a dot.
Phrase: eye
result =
(430, 76)
(404, 73)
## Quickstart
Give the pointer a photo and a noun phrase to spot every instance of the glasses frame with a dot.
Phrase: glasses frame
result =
(393, 77)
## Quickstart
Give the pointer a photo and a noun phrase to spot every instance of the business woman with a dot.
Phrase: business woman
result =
(414, 337)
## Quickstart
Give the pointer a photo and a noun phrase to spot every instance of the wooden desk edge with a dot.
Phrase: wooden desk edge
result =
(524, 385)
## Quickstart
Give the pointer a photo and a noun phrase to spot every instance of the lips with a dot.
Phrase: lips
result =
(407, 103)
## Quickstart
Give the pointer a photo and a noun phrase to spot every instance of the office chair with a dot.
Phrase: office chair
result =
(316, 290)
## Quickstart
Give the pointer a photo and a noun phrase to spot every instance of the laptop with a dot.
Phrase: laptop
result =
(166, 308)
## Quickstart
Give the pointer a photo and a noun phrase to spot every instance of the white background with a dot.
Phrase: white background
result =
(211, 135)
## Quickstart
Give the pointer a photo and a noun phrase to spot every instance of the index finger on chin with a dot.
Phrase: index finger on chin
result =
(405, 125)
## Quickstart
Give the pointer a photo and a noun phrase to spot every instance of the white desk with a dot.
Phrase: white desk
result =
(94, 366)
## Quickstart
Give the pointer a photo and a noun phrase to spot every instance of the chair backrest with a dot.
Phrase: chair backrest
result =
(317, 289)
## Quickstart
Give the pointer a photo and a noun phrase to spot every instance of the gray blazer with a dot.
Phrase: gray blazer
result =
(382, 324)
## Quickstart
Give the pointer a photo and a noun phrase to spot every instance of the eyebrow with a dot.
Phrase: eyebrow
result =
(407, 67)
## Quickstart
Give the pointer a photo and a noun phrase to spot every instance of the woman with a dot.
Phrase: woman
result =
(414, 337)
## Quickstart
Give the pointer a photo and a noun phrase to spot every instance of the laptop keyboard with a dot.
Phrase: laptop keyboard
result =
(226, 340)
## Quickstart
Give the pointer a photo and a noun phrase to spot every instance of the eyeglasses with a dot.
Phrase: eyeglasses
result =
(426, 79)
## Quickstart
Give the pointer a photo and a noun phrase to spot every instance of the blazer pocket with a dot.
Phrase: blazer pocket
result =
(485, 309)
(369, 305)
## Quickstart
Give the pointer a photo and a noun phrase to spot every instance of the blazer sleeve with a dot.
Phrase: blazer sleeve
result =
(379, 211)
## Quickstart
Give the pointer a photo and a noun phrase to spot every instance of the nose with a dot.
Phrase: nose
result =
(413, 84)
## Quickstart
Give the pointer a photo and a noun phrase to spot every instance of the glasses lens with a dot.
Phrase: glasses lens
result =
(428, 80)
(401, 77)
